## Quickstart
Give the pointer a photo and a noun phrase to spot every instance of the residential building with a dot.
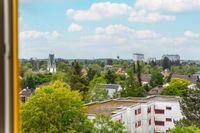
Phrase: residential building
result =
(153, 114)
(112, 88)
(51, 64)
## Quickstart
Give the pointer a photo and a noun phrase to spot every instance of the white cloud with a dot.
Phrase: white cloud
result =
(119, 35)
(102, 10)
(143, 16)
(75, 27)
(27, 35)
(168, 5)
(191, 34)
(98, 11)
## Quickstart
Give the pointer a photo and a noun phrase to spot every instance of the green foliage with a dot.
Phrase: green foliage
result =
(182, 129)
(132, 87)
(156, 79)
(166, 64)
(110, 77)
(94, 69)
(62, 67)
(60, 76)
(190, 106)
(104, 124)
(177, 87)
(78, 81)
(53, 109)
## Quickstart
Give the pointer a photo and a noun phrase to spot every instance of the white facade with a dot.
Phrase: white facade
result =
(153, 114)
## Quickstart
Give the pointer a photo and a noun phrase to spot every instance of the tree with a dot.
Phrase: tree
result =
(78, 81)
(156, 79)
(182, 129)
(177, 87)
(139, 73)
(110, 77)
(104, 124)
(54, 108)
(190, 106)
(132, 87)
(93, 70)
(63, 67)
(166, 64)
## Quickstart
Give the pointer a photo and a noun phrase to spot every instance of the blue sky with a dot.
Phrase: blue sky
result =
(105, 29)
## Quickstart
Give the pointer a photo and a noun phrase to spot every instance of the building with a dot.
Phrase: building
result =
(138, 57)
(112, 88)
(172, 58)
(51, 64)
(153, 114)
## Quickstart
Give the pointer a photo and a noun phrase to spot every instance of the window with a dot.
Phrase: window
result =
(136, 125)
(139, 123)
(159, 123)
(169, 119)
(168, 108)
(149, 121)
(139, 111)
(135, 112)
(149, 110)
(159, 111)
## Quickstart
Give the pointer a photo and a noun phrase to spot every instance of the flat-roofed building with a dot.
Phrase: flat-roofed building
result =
(140, 115)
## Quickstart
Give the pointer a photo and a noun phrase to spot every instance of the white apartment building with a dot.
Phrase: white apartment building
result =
(153, 114)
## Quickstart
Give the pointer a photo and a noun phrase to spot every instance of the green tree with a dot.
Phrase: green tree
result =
(94, 69)
(166, 64)
(156, 79)
(177, 87)
(190, 106)
(182, 129)
(132, 87)
(110, 77)
(63, 67)
(78, 81)
(104, 124)
(54, 109)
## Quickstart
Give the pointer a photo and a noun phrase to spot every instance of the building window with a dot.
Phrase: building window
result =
(149, 121)
(168, 108)
(136, 125)
(139, 123)
(135, 112)
(168, 119)
(159, 111)
(159, 123)
(149, 110)
(139, 111)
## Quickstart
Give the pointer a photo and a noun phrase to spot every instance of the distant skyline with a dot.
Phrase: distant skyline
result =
(104, 29)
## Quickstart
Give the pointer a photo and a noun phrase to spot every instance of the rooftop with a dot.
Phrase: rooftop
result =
(108, 107)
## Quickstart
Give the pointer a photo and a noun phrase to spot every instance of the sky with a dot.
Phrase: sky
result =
(91, 29)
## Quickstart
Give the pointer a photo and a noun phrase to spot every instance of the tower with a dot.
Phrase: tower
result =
(51, 64)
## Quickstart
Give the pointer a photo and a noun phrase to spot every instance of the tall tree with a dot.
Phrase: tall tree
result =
(132, 87)
(139, 73)
(166, 64)
(156, 78)
(79, 81)
(180, 129)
